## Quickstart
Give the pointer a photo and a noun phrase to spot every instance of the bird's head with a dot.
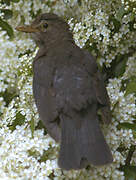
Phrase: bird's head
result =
(47, 27)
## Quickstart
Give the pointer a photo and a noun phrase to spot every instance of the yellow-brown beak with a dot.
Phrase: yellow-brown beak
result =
(27, 29)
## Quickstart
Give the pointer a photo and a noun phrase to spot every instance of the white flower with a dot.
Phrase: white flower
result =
(94, 26)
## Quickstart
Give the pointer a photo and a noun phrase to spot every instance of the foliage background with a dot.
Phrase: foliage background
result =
(107, 28)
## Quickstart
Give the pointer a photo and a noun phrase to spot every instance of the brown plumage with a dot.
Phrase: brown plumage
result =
(68, 90)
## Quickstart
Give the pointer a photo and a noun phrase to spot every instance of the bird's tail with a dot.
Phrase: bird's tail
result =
(82, 141)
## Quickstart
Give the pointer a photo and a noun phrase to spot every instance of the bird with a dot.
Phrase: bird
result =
(69, 90)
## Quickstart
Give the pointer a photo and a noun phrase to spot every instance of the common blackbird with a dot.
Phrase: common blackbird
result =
(68, 90)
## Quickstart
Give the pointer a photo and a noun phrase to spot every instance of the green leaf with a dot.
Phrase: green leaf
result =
(7, 2)
(120, 68)
(15, 1)
(130, 172)
(32, 127)
(127, 126)
(116, 23)
(47, 155)
(131, 88)
(132, 16)
(120, 13)
(134, 135)
(33, 153)
(7, 13)
(20, 119)
(8, 96)
(79, 2)
(44, 157)
(5, 26)
(40, 125)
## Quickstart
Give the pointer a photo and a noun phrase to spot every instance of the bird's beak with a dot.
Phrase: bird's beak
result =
(27, 29)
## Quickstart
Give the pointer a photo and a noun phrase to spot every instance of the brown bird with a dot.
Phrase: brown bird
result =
(68, 90)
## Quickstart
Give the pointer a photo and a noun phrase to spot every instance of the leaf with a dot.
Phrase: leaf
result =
(134, 135)
(20, 119)
(120, 13)
(130, 172)
(116, 23)
(32, 127)
(127, 126)
(8, 96)
(40, 125)
(79, 2)
(5, 26)
(7, 2)
(120, 68)
(7, 13)
(132, 16)
(131, 88)
(33, 153)
(44, 157)
(15, 1)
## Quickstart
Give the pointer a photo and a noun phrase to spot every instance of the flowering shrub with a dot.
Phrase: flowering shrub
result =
(108, 30)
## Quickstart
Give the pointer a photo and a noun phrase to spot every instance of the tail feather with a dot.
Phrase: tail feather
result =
(82, 142)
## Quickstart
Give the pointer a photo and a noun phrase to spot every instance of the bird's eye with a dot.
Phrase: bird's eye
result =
(45, 25)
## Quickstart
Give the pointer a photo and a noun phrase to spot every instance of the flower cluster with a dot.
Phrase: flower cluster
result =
(107, 30)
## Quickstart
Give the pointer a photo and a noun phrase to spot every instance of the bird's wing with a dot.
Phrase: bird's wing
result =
(99, 85)
(100, 89)
(73, 85)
